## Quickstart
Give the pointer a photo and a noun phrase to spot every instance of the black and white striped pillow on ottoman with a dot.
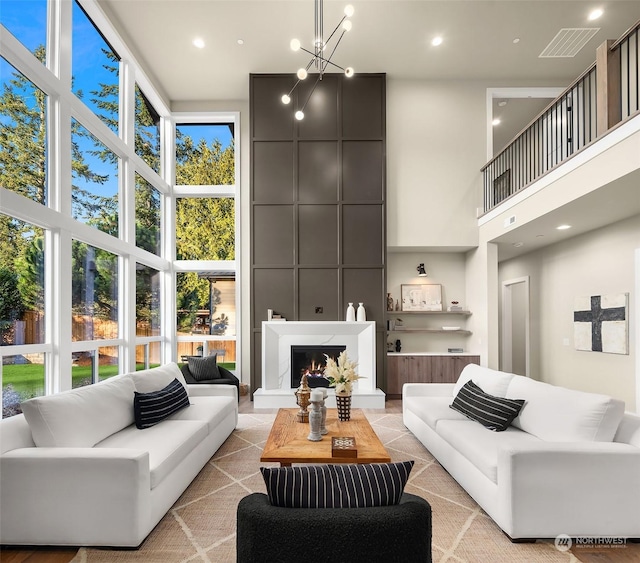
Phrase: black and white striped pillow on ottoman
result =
(337, 486)
(496, 413)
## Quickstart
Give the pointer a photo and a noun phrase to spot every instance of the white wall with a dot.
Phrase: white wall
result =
(436, 145)
(596, 263)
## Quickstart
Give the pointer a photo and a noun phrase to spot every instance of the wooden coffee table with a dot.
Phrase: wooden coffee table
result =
(287, 442)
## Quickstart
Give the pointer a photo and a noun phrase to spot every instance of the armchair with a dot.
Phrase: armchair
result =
(226, 378)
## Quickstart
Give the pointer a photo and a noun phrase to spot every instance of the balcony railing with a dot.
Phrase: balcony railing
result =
(603, 96)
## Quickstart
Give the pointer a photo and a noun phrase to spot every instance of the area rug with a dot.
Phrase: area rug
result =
(201, 525)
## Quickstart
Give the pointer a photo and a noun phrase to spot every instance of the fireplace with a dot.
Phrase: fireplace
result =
(311, 360)
(358, 338)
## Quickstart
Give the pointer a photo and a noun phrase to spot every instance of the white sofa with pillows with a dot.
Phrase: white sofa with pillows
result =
(101, 465)
(568, 463)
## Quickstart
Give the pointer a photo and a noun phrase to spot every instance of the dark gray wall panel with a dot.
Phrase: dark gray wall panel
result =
(318, 171)
(365, 285)
(318, 288)
(270, 118)
(273, 172)
(363, 108)
(273, 289)
(318, 202)
(273, 234)
(321, 113)
(362, 234)
(318, 234)
(362, 171)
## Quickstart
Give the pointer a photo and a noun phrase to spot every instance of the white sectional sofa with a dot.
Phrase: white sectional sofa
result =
(569, 463)
(75, 470)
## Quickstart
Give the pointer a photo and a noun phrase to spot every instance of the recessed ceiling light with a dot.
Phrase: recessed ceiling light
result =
(516, 41)
(240, 41)
(595, 14)
(495, 122)
(198, 42)
(518, 244)
(563, 227)
(502, 103)
(436, 41)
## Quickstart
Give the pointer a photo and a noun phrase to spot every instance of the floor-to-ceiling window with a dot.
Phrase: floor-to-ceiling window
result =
(95, 171)
(205, 237)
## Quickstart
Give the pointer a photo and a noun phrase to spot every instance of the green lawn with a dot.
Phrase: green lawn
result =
(28, 379)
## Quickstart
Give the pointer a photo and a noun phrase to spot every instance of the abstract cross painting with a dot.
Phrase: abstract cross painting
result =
(600, 323)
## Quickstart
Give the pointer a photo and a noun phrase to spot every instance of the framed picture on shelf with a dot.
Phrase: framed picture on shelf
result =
(426, 297)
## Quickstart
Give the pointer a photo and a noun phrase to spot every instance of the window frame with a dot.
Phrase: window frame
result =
(208, 191)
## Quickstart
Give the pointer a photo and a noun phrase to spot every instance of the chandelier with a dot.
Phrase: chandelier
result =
(318, 58)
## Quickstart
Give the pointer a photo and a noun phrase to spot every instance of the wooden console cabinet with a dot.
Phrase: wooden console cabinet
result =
(424, 368)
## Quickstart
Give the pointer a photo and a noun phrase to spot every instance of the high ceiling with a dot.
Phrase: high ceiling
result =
(391, 36)
(497, 42)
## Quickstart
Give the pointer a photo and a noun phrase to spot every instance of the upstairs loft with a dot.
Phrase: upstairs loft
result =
(580, 155)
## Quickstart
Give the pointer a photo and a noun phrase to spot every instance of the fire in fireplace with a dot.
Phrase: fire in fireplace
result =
(311, 360)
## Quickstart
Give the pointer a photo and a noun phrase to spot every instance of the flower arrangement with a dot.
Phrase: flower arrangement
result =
(341, 374)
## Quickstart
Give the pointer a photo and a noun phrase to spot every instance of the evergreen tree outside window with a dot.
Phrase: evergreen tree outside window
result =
(95, 70)
(95, 176)
(147, 137)
(23, 135)
(22, 282)
(148, 216)
(147, 301)
(205, 228)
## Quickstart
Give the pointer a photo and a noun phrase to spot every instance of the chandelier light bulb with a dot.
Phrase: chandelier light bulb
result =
(348, 72)
(302, 73)
(285, 99)
(295, 45)
(299, 115)
(347, 25)
(348, 10)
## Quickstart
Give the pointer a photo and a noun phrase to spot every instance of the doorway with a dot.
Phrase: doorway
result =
(515, 357)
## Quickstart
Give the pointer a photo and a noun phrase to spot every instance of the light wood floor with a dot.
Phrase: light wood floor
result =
(629, 554)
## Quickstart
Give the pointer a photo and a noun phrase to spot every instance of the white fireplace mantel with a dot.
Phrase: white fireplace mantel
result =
(277, 339)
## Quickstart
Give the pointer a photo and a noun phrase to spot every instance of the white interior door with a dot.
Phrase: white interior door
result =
(515, 326)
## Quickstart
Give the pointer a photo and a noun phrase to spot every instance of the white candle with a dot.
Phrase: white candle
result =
(324, 393)
(316, 396)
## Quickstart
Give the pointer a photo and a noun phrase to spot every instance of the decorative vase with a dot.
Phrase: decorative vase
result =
(323, 410)
(343, 402)
(361, 314)
(303, 398)
(351, 313)
(315, 416)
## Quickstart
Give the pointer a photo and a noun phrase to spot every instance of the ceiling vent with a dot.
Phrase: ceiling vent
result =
(568, 42)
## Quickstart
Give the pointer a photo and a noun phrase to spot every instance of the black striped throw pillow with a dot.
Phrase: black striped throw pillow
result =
(496, 413)
(336, 486)
(204, 369)
(154, 407)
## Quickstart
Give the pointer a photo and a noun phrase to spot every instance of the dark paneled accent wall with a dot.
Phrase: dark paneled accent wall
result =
(318, 211)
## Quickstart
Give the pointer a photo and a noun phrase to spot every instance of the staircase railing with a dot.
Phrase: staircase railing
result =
(603, 96)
